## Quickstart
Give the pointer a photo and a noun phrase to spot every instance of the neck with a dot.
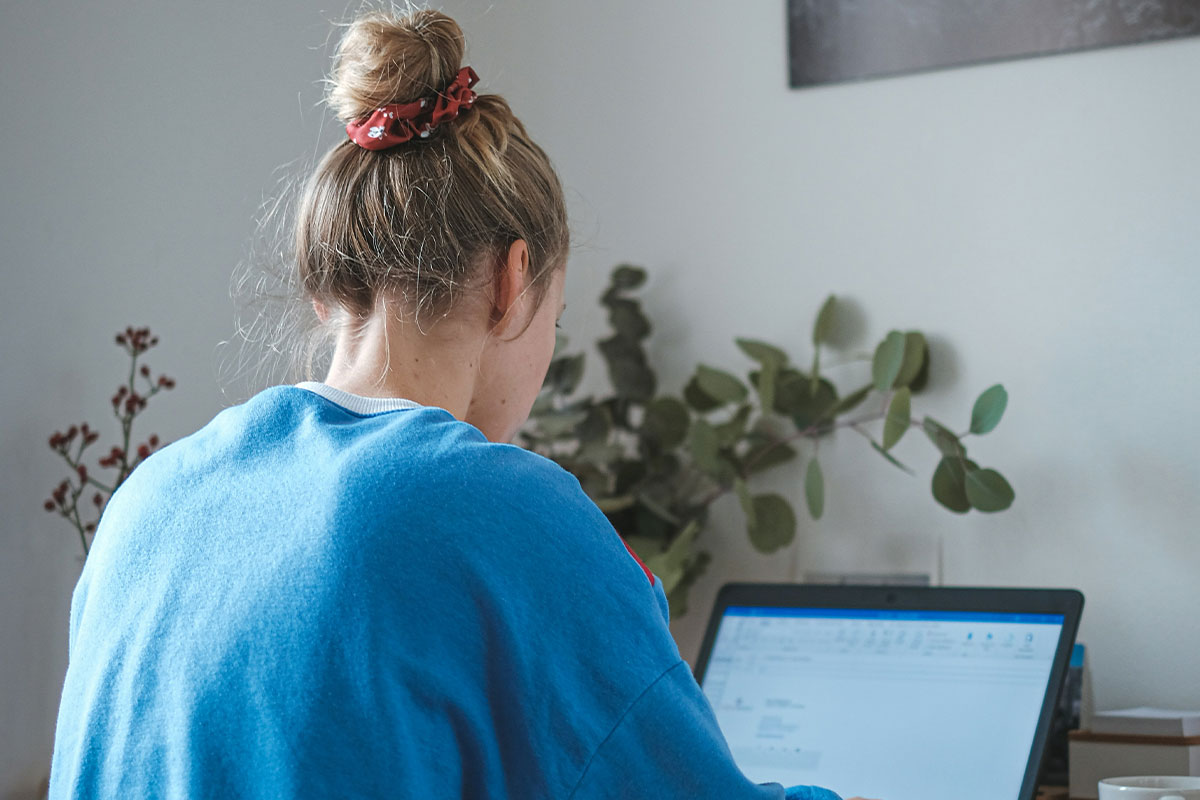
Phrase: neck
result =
(390, 356)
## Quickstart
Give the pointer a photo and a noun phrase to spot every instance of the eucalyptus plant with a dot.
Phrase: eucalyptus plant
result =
(655, 463)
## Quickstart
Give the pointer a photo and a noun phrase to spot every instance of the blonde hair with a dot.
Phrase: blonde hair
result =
(420, 220)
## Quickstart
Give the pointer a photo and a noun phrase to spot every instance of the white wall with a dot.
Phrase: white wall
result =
(1037, 218)
(138, 141)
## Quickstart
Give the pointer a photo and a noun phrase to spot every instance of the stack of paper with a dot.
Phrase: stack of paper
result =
(1134, 741)
(1146, 721)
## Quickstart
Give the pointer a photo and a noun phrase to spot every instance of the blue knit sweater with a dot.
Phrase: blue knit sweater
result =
(302, 601)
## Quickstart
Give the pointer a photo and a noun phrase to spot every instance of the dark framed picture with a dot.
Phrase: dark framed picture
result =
(831, 41)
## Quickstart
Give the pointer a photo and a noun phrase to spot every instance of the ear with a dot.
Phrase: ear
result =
(512, 278)
(321, 310)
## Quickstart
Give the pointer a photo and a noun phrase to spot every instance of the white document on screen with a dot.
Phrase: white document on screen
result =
(906, 705)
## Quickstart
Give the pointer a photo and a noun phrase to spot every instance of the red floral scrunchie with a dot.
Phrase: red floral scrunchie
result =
(398, 123)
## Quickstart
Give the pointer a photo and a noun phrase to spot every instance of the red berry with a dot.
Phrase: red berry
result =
(98, 499)
(154, 440)
(49, 505)
(143, 451)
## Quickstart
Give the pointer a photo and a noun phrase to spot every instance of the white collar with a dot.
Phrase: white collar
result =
(357, 403)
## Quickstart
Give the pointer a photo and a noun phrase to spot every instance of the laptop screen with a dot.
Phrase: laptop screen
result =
(899, 704)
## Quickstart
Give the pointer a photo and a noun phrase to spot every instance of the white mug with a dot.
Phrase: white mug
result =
(1161, 787)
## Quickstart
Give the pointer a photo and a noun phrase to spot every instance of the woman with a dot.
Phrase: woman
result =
(355, 588)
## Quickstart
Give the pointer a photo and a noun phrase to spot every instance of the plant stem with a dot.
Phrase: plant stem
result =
(76, 521)
(100, 486)
(812, 432)
(854, 359)
(126, 420)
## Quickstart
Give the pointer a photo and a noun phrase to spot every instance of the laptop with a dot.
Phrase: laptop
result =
(899, 693)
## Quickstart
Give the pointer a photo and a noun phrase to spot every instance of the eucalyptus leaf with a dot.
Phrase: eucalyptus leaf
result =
(728, 433)
(646, 547)
(766, 385)
(728, 468)
(646, 522)
(697, 398)
(618, 348)
(631, 378)
(596, 426)
(814, 489)
(899, 418)
(921, 381)
(816, 408)
(704, 444)
(743, 494)
(891, 458)
(794, 398)
(627, 319)
(601, 454)
(627, 276)
(949, 485)
(776, 523)
(824, 323)
(720, 385)
(988, 490)
(914, 359)
(762, 352)
(657, 508)
(988, 410)
(559, 423)
(666, 421)
(617, 409)
(628, 474)
(851, 401)
(669, 568)
(671, 564)
(694, 568)
(544, 404)
(564, 374)
(767, 454)
(611, 505)
(943, 438)
(888, 359)
(593, 480)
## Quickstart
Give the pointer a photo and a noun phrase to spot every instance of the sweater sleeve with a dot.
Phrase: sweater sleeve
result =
(668, 746)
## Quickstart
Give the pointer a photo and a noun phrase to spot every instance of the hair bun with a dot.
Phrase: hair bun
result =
(387, 58)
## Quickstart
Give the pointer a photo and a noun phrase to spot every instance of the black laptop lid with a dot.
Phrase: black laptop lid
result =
(902, 693)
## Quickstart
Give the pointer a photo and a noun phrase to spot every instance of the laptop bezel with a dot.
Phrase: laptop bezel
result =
(1067, 602)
